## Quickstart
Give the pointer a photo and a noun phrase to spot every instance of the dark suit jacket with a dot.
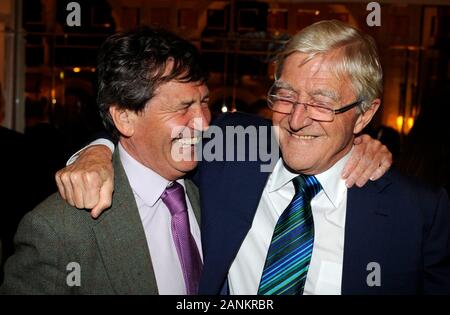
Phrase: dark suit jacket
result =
(402, 225)
(17, 178)
(26, 181)
(111, 251)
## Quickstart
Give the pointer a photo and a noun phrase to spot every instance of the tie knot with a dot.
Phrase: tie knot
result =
(307, 184)
(174, 198)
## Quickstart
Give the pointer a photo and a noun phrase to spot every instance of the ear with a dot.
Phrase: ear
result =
(367, 116)
(124, 120)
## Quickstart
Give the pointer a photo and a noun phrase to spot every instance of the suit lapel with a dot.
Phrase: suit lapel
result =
(227, 218)
(194, 198)
(122, 242)
(368, 230)
(230, 194)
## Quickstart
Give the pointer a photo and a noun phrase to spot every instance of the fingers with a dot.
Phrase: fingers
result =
(360, 145)
(357, 175)
(385, 162)
(352, 163)
(380, 162)
(78, 191)
(369, 161)
(350, 166)
(67, 186)
(86, 191)
(81, 183)
(358, 140)
(105, 199)
(381, 170)
(92, 183)
(373, 172)
(60, 185)
(367, 172)
(361, 164)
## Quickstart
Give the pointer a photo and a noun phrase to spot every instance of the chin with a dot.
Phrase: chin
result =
(300, 162)
(186, 166)
(295, 164)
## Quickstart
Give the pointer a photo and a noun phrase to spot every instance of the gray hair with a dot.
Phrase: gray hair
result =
(359, 61)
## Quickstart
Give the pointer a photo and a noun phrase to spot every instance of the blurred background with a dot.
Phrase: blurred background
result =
(48, 74)
(47, 69)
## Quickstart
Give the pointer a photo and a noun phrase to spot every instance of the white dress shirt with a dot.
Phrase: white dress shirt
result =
(99, 141)
(328, 208)
(147, 188)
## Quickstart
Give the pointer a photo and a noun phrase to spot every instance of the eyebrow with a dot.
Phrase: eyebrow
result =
(326, 93)
(323, 92)
(284, 85)
(190, 102)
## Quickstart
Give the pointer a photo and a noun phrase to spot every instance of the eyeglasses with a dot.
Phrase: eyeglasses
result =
(282, 100)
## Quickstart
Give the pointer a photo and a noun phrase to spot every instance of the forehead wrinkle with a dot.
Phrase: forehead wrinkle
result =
(323, 61)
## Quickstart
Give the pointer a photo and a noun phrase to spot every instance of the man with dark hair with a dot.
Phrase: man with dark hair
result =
(149, 82)
(153, 98)
(300, 229)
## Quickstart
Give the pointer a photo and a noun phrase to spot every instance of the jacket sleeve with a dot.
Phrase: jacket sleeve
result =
(436, 248)
(35, 267)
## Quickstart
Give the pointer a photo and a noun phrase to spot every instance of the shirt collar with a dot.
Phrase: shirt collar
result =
(331, 180)
(145, 183)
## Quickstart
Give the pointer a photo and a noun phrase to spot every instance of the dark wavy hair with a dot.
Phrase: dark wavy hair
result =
(132, 65)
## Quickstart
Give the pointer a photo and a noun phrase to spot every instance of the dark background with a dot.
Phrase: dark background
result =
(239, 40)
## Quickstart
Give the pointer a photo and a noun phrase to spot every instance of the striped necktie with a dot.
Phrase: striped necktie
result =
(290, 250)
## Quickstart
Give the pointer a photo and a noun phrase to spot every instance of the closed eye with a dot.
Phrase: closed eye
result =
(187, 104)
(205, 101)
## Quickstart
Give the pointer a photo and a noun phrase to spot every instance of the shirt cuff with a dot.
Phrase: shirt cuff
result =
(100, 141)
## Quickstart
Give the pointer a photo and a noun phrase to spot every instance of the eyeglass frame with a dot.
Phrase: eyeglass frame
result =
(340, 110)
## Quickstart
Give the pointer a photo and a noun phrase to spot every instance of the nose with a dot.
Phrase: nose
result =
(299, 117)
(201, 117)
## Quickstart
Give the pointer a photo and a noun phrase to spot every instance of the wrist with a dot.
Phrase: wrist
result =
(99, 150)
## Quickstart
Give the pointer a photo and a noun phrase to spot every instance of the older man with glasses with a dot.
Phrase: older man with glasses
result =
(282, 99)
(300, 229)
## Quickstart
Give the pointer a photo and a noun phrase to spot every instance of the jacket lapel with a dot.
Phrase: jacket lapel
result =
(194, 198)
(122, 242)
(368, 230)
(228, 208)
(230, 194)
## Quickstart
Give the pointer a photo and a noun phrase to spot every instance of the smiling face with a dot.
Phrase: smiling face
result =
(165, 126)
(309, 146)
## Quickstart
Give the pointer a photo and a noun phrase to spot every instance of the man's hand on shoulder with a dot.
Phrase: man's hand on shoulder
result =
(370, 159)
(88, 183)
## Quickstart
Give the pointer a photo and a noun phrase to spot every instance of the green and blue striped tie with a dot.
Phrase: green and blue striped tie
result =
(290, 250)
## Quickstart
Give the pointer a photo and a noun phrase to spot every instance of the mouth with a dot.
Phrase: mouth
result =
(303, 137)
(187, 142)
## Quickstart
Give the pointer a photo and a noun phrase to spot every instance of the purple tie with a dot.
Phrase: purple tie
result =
(191, 263)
